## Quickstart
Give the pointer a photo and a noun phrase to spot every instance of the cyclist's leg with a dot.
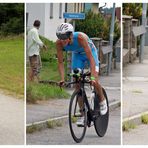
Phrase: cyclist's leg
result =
(77, 62)
(98, 87)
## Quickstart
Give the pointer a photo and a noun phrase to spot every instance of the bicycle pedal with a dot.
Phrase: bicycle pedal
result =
(96, 114)
(95, 117)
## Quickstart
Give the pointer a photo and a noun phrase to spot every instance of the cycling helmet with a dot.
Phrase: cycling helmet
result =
(64, 30)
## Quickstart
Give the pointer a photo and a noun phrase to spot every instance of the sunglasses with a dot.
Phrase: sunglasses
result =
(63, 36)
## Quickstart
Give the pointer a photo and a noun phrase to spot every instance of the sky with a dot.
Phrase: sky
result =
(109, 4)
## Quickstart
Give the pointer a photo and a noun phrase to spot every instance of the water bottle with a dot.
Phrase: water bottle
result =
(77, 70)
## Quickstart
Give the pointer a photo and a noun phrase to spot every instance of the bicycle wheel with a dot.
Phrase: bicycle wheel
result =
(77, 132)
(101, 123)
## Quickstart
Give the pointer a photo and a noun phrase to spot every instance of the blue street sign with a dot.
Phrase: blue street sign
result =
(74, 15)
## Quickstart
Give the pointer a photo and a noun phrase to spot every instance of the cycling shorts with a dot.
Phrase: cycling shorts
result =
(80, 60)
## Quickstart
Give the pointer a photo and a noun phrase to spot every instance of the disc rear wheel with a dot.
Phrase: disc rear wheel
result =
(101, 122)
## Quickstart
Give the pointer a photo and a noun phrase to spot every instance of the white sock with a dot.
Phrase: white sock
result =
(103, 102)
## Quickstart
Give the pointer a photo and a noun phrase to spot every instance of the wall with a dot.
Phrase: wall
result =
(41, 11)
(36, 11)
(51, 24)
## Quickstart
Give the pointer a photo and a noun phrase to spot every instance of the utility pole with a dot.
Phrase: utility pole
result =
(144, 11)
(111, 38)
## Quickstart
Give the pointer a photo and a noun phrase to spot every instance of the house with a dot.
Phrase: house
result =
(50, 15)
(108, 13)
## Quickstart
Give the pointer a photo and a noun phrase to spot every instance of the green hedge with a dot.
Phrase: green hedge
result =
(51, 53)
(95, 25)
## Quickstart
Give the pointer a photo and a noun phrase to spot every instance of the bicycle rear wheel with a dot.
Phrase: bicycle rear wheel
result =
(101, 123)
(77, 132)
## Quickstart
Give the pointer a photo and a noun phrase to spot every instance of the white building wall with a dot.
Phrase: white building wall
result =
(41, 11)
(36, 11)
(52, 23)
(70, 7)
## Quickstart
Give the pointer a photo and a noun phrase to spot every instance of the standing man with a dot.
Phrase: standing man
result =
(34, 45)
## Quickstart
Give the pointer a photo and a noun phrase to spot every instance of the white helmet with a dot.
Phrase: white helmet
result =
(64, 30)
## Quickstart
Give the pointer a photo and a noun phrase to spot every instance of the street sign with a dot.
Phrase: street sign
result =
(74, 15)
(139, 30)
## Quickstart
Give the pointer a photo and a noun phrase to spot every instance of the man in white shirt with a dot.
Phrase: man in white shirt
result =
(34, 45)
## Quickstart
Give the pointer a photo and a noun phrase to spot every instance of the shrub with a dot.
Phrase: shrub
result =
(13, 26)
(144, 119)
(51, 53)
(92, 25)
(12, 18)
(95, 25)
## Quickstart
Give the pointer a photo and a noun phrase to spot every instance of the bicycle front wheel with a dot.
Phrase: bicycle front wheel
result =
(101, 123)
(77, 109)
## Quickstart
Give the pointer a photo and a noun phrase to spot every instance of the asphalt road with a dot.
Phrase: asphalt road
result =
(11, 121)
(62, 136)
(137, 136)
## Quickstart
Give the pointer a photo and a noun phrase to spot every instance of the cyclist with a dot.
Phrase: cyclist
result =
(83, 50)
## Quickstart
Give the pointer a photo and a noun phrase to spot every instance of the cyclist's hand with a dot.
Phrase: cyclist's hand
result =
(61, 83)
(93, 82)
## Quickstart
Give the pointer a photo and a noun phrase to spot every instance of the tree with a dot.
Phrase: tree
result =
(95, 25)
(133, 9)
(92, 25)
(12, 18)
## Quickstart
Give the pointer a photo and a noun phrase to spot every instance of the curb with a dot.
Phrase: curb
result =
(37, 126)
(136, 119)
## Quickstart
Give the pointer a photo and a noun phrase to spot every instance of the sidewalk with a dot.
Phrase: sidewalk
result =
(59, 107)
(135, 84)
(12, 120)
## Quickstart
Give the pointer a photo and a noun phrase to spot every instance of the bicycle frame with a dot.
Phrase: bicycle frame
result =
(79, 109)
(82, 82)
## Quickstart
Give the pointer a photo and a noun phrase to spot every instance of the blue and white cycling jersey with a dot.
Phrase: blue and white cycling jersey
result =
(79, 57)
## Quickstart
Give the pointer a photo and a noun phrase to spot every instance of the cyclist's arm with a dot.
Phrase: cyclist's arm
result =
(60, 59)
(83, 42)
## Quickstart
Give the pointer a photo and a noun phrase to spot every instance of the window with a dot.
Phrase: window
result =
(78, 8)
(75, 5)
(60, 10)
(81, 7)
(51, 10)
(27, 14)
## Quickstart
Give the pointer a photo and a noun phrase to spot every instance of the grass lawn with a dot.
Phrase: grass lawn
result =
(49, 71)
(12, 65)
(37, 91)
